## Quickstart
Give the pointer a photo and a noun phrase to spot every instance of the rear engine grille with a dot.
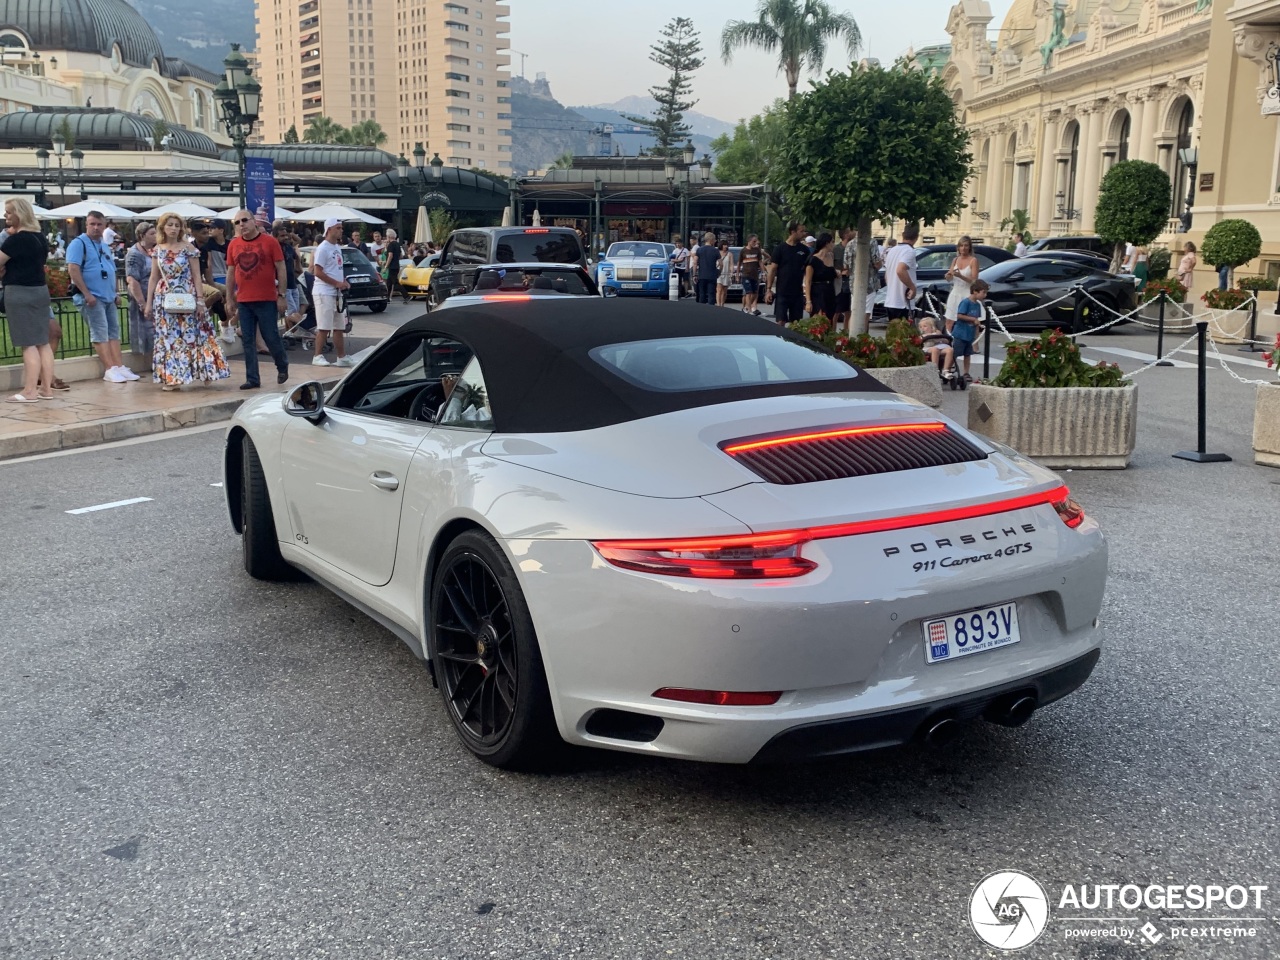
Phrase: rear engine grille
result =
(834, 453)
(633, 273)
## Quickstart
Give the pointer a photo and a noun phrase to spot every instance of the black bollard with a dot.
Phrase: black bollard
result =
(986, 349)
(1252, 347)
(1198, 455)
(1160, 333)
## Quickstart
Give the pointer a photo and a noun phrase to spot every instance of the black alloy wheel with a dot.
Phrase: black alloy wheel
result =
(486, 657)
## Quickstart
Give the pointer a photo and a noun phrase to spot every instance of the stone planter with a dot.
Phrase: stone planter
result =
(1266, 426)
(919, 383)
(1230, 327)
(1077, 427)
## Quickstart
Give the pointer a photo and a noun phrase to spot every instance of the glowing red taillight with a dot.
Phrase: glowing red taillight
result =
(928, 427)
(537, 230)
(776, 555)
(720, 698)
(1071, 513)
(747, 557)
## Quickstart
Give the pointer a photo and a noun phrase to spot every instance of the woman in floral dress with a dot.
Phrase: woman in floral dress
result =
(186, 345)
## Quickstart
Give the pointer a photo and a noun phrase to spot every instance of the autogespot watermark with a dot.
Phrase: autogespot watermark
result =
(1010, 910)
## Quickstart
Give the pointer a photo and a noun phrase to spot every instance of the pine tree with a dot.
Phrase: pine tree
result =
(291, 135)
(679, 53)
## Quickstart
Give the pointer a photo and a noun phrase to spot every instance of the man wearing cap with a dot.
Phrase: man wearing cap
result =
(256, 286)
(329, 282)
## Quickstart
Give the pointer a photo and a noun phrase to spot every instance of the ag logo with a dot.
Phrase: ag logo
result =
(1009, 910)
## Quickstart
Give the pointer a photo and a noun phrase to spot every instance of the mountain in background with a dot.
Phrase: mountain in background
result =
(699, 123)
(200, 35)
(543, 129)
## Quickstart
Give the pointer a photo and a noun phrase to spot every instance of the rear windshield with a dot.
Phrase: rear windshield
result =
(555, 279)
(538, 247)
(352, 257)
(652, 250)
(707, 363)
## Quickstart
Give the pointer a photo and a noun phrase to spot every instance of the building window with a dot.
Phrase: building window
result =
(1178, 204)
(1122, 151)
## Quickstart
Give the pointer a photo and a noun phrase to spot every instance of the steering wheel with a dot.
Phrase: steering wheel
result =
(418, 409)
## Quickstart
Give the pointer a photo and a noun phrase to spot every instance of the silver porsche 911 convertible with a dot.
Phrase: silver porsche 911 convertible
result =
(671, 530)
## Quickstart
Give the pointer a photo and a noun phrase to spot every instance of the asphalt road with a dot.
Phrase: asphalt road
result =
(193, 764)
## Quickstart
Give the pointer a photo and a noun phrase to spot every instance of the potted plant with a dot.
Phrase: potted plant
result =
(1266, 415)
(1174, 292)
(1268, 318)
(1228, 244)
(897, 359)
(1052, 406)
(59, 281)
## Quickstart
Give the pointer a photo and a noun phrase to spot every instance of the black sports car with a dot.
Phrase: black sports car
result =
(1023, 292)
(933, 262)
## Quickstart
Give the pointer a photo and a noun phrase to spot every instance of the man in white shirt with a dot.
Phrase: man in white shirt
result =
(329, 282)
(1020, 250)
(900, 274)
(109, 235)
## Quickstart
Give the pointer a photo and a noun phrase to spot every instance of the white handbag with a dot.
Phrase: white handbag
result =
(179, 303)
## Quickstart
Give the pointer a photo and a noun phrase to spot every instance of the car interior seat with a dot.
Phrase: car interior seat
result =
(488, 280)
(541, 283)
(716, 366)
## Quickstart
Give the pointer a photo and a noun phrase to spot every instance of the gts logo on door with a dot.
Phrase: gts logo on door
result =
(967, 539)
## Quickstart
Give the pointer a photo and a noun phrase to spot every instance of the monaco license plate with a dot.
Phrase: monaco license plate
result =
(633, 286)
(974, 631)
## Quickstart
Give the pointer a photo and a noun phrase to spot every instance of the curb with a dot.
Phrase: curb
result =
(125, 427)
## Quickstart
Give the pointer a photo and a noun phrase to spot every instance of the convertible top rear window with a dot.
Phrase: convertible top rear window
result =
(713, 363)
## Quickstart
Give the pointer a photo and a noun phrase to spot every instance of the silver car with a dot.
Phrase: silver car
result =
(671, 531)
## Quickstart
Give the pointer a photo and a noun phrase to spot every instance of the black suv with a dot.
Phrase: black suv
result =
(469, 249)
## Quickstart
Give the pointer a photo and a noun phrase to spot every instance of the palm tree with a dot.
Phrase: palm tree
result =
(797, 29)
(323, 130)
(563, 162)
(366, 133)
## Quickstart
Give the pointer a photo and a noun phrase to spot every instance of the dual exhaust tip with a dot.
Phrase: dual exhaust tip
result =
(1012, 710)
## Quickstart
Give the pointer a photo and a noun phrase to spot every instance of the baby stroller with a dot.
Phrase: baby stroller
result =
(303, 333)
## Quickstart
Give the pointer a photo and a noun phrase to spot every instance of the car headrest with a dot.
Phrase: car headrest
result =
(488, 280)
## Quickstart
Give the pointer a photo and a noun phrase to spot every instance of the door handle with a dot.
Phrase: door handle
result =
(384, 481)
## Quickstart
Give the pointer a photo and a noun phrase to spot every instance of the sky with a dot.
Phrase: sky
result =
(596, 51)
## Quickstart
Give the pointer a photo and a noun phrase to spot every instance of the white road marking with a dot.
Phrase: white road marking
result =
(110, 506)
(1225, 356)
(1136, 355)
(215, 484)
(114, 444)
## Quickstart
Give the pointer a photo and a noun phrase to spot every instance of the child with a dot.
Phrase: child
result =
(937, 346)
(968, 324)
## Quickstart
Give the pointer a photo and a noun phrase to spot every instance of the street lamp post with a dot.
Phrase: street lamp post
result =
(60, 151)
(597, 226)
(678, 180)
(77, 163)
(239, 98)
(420, 164)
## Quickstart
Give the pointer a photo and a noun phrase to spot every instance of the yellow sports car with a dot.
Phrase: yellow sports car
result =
(416, 281)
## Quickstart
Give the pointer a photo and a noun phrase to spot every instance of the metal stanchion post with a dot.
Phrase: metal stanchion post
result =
(1252, 347)
(1160, 332)
(1198, 455)
(1077, 314)
(986, 349)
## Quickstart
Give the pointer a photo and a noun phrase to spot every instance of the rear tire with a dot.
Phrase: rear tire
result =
(259, 544)
(378, 307)
(486, 658)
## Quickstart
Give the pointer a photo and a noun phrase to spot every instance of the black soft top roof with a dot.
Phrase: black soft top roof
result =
(541, 379)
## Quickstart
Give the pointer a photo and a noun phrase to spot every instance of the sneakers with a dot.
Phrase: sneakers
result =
(228, 335)
(127, 373)
(319, 361)
(115, 376)
(344, 362)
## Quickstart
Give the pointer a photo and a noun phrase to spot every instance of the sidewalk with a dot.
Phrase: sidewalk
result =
(94, 411)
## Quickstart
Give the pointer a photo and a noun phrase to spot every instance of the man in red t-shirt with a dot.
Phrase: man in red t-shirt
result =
(256, 287)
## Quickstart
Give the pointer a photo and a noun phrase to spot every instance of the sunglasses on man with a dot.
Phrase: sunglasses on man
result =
(242, 220)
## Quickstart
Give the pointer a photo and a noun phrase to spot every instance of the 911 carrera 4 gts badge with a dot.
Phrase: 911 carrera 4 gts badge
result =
(964, 540)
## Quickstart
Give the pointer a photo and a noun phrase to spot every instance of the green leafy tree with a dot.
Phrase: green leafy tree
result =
(366, 133)
(1018, 222)
(798, 30)
(1133, 205)
(323, 130)
(291, 135)
(873, 145)
(680, 52)
(563, 162)
(64, 130)
(746, 156)
(500, 177)
(442, 224)
(1231, 243)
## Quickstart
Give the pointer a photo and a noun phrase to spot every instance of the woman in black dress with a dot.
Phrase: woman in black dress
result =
(820, 279)
(26, 298)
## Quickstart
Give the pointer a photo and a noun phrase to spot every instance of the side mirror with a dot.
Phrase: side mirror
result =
(306, 400)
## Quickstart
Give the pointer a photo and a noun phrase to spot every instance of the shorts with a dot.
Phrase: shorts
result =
(328, 316)
(963, 348)
(292, 301)
(871, 304)
(844, 299)
(103, 320)
(750, 286)
(898, 313)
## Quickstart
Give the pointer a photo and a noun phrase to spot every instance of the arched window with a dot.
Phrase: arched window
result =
(1122, 149)
(1178, 202)
(1073, 166)
(199, 110)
